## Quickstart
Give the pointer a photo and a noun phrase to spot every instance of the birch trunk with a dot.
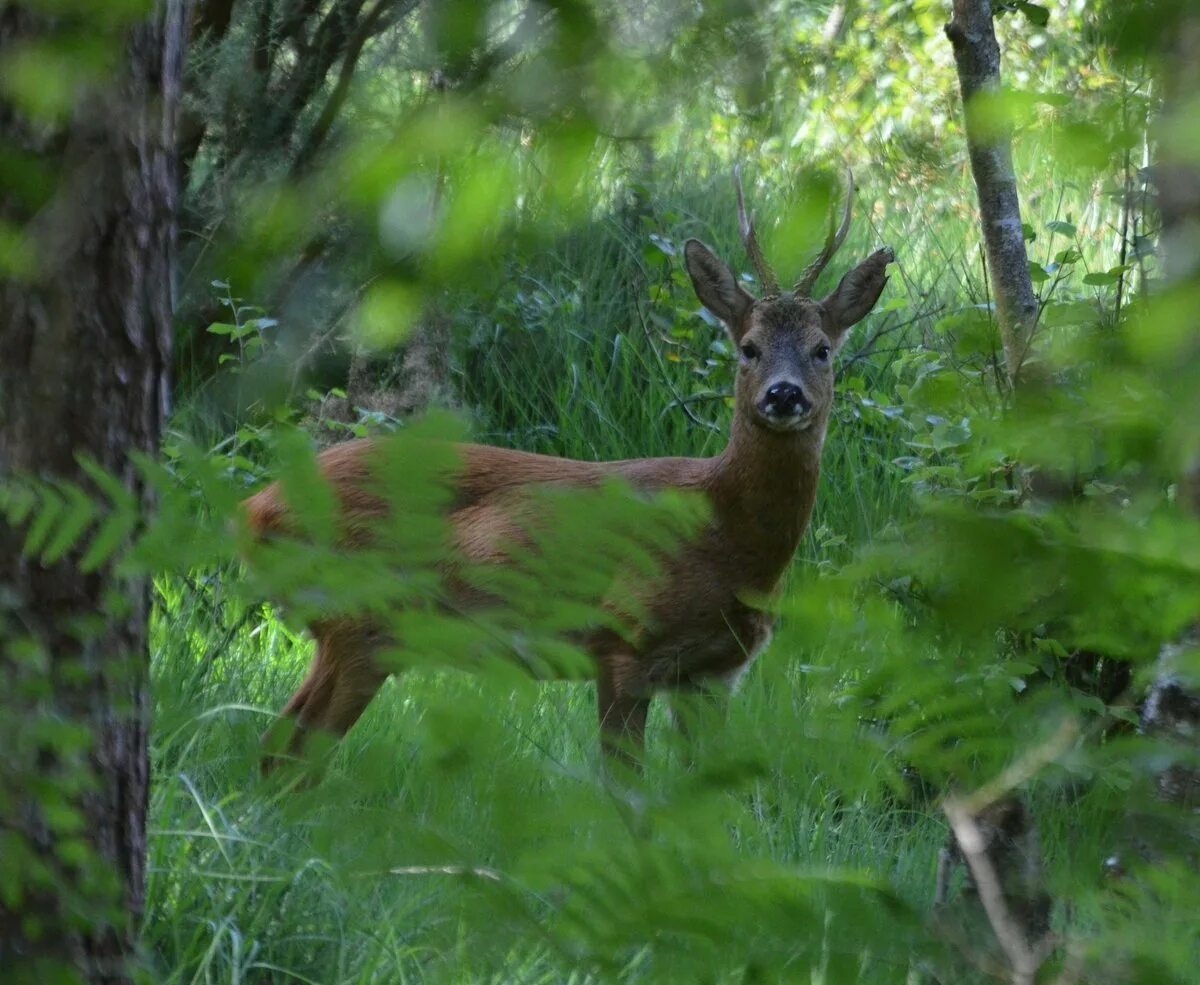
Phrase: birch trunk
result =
(1000, 842)
(972, 35)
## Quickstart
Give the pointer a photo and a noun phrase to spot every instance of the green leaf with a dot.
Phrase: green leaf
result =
(119, 523)
(52, 506)
(1037, 273)
(946, 436)
(77, 517)
(1060, 313)
(1062, 228)
(17, 500)
(1034, 13)
(895, 304)
(663, 244)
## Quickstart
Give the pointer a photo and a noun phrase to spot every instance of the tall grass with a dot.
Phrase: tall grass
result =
(386, 872)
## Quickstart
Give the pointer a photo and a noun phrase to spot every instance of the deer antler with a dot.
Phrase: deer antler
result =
(833, 243)
(766, 276)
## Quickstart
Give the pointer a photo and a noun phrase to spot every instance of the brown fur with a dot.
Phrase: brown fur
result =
(705, 620)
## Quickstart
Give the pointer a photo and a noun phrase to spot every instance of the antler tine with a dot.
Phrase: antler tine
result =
(833, 243)
(766, 276)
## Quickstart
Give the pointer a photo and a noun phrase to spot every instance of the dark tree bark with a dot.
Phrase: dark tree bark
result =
(1172, 707)
(85, 339)
(210, 25)
(378, 19)
(972, 34)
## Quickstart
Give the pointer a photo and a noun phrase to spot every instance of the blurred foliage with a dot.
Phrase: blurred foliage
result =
(523, 175)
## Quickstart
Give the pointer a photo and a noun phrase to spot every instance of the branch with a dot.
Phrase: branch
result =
(292, 26)
(1024, 769)
(837, 22)
(1024, 959)
(313, 62)
(678, 399)
(370, 26)
(994, 834)
(210, 24)
(211, 20)
(869, 347)
(532, 20)
(322, 339)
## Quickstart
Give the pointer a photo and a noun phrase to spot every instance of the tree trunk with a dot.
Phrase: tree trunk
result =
(85, 335)
(837, 22)
(1172, 707)
(1000, 841)
(1178, 175)
(972, 34)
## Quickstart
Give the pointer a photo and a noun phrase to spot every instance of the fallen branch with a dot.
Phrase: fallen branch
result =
(994, 834)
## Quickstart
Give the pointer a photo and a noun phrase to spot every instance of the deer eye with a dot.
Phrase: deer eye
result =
(750, 350)
(821, 353)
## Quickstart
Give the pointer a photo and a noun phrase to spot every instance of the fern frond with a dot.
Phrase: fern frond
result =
(63, 516)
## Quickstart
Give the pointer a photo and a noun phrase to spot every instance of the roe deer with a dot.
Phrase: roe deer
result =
(703, 625)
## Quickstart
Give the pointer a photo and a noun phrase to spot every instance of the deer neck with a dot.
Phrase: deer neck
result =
(763, 488)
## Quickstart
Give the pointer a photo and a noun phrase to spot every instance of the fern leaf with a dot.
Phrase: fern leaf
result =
(50, 507)
(76, 517)
(17, 500)
(120, 522)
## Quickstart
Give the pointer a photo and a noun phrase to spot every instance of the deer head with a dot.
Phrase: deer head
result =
(786, 340)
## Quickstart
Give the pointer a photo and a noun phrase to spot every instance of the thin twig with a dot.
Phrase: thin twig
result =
(869, 347)
(1024, 769)
(371, 25)
(230, 633)
(705, 397)
(301, 361)
(662, 366)
(1024, 957)
(447, 870)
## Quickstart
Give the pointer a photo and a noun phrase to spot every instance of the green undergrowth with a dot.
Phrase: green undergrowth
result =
(464, 819)
(465, 831)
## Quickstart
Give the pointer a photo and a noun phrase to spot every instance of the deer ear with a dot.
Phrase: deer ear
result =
(857, 293)
(716, 287)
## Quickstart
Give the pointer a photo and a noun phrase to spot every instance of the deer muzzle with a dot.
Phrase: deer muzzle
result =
(784, 407)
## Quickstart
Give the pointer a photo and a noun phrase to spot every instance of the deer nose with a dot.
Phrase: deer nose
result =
(785, 400)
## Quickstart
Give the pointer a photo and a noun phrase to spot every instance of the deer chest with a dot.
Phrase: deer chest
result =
(719, 646)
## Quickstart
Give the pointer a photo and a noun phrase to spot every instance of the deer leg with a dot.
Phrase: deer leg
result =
(622, 712)
(354, 690)
(693, 706)
(284, 740)
(341, 683)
